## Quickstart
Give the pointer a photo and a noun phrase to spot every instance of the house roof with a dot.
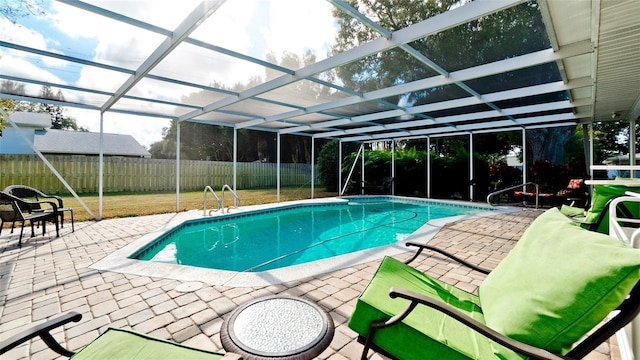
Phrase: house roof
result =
(183, 70)
(87, 143)
(31, 119)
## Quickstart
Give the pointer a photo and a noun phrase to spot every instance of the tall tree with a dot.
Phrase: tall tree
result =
(6, 105)
(11, 87)
(544, 144)
(8, 87)
(58, 119)
(201, 141)
(15, 9)
(612, 138)
(512, 32)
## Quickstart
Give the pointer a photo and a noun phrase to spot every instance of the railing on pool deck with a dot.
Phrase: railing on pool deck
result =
(501, 191)
(204, 200)
(236, 199)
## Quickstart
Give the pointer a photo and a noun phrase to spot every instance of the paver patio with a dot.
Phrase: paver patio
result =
(49, 276)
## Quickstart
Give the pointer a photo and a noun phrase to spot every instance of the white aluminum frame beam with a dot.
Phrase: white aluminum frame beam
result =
(101, 167)
(559, 105)
(410, 50)
(498, 67)
(536, 121)
(433, 25)
(471, 168)
(46, 162)
(467, 101)
(197, 16)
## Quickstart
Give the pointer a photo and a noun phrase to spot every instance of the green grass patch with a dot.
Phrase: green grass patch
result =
(132, 204)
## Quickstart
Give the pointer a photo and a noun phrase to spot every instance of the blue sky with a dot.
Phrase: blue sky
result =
(253, 27)
(83, 47)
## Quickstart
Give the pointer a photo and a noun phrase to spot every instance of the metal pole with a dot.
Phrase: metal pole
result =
(235, 159)
(101, 166)
(524, 156)
(586, 147)
(353, 167)
(591, 150)
(47, 163)
(428, 167)
(177, 166)
(471, 166)
(632, 146)
(635, 323)
(313, 166)
(362, 175)
(340, 168)
(278, 168)
(393, 167)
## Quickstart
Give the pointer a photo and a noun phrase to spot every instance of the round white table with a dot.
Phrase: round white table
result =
(277, 327)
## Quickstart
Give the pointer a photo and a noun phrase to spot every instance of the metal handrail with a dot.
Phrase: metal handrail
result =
(236, 201)
(355, 162)
(204, 200)
(513, 188)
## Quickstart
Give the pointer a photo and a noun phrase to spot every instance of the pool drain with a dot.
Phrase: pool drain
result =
(189, 286)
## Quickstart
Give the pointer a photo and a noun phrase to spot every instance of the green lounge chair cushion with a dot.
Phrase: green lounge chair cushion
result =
(127, 344)
(573, 211)
(601, 195)
(425, 333)
(557, 283)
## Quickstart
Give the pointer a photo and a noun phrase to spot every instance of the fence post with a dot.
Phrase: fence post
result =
(140, 174)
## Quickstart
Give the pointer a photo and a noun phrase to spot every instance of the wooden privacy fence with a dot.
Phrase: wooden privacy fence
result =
(122, 174)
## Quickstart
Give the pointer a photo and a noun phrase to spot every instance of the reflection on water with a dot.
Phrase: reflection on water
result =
(263, 241)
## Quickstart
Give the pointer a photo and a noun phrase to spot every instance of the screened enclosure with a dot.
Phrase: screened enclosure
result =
(332, 69)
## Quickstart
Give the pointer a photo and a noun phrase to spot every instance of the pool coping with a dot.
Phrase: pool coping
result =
(118, 261)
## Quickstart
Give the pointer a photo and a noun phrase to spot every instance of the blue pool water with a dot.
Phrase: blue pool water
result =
(265, 240)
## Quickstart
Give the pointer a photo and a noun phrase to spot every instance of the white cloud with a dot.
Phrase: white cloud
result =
(118, 43)
(295, 27)
(259, 27)
(21, 35)
(252, 27)
(18, 34)
(14, 64)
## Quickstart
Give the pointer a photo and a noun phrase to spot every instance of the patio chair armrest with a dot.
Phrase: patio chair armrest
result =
(591, 225)
(43, 331)
(53, 205)
(422, 247)
(56, 197)
(517, 346)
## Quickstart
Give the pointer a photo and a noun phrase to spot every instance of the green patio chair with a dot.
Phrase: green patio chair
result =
(113, 344)
(557, 284)
(596, 218)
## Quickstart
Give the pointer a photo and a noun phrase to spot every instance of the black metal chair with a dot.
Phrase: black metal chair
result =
(384, 187)
(112, 344)
(14, 209)
(28, 193)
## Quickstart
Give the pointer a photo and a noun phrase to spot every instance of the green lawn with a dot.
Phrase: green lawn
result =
(125, 205)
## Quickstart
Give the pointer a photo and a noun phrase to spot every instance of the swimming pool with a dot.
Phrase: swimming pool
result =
(296, 234)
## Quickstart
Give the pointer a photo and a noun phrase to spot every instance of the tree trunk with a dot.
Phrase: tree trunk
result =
(548, 144)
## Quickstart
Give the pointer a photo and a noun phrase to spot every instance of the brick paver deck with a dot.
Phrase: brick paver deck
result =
(49, 276)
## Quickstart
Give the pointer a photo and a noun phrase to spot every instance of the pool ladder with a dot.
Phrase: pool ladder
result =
(236, 199)
(220, 202)
(204, 200)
